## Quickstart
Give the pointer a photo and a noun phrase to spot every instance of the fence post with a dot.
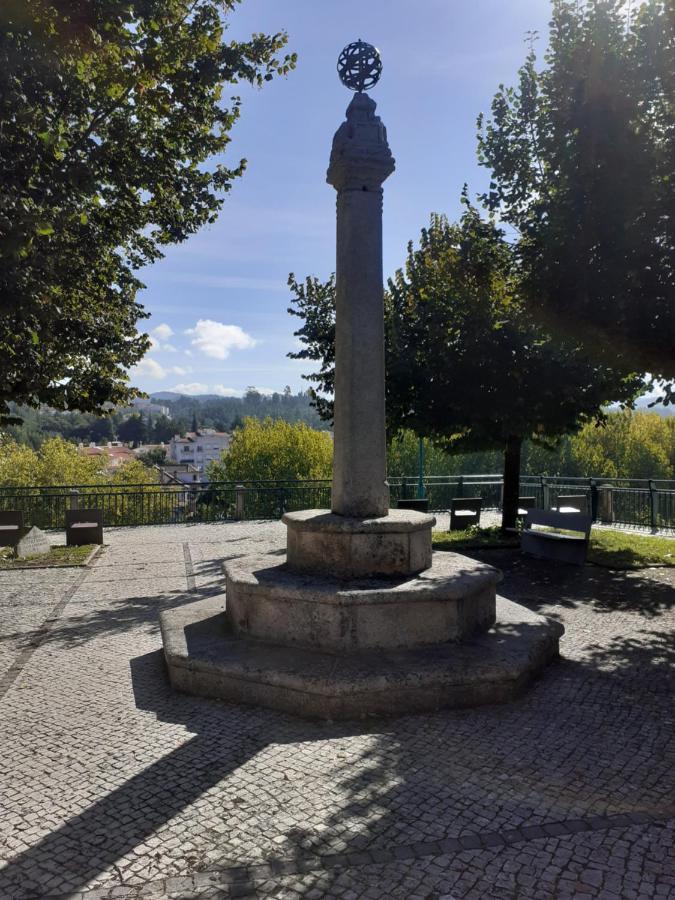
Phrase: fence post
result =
(594, 500)
(545, 493)
(74, 499)
(460, 486)
(653, 498)
(240, 501)
(606, 503)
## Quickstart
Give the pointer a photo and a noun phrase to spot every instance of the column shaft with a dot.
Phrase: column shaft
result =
(359, 468)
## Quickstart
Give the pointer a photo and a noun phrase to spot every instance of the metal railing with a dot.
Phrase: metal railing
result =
(642, 503)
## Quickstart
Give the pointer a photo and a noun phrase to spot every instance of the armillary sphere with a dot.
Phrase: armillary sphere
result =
(359, 66)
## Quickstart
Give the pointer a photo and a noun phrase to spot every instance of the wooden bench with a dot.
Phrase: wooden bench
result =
(464, 512)
(84, 526)
(557, 544)
(11, 527)
(571, 503)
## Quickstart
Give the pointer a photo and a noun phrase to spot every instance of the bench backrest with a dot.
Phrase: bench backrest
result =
(563, 521)
(11, 517)
(577, 501)
(472, 503)
(84, 515)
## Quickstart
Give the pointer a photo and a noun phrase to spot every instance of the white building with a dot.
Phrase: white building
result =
(139, 404)
(198, 448)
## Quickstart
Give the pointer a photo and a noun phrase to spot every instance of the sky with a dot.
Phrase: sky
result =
(218, 302)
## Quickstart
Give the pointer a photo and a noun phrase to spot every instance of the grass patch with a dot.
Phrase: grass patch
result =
(621, 550)
(474, 538)
(57, 556)
(612, 549)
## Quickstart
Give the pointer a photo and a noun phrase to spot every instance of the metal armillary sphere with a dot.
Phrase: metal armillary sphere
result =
(359, 66)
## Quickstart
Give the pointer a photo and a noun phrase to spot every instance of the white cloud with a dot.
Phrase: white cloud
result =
(195, 387)
(223, 391)
(162, 332)
(169, 348)
(149, 368)
(217, 340)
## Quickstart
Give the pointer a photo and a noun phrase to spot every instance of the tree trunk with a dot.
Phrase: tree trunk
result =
(511, 481)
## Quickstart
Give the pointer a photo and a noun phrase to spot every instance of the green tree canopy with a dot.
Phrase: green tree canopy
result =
(133, 430)
(58, 462)
(275, 450)
(582, 156)
(110, 112)
(626, 445)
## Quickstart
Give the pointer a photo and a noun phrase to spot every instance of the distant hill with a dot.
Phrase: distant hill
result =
(165, 395)
(201, 398)
(660, 409)
(225, 413)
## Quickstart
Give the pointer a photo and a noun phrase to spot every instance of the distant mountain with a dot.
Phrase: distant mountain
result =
(171, 395)
(660, 409)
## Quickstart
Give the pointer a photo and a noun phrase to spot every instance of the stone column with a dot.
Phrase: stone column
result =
(360, 162)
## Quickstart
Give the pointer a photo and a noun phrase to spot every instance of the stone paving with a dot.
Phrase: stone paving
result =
(113, 786)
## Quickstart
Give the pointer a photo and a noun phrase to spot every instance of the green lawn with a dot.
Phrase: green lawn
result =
(58, 556)
(613, 549)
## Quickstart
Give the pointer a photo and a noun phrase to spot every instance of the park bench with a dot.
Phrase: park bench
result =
(571, 503)
(84, 526)
(464, 512)
(11, 527)
(558, 543)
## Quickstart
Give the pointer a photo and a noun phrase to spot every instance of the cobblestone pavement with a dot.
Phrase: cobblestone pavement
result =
(111, 784)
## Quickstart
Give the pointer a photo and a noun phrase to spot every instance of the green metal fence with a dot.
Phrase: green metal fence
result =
(641, 503)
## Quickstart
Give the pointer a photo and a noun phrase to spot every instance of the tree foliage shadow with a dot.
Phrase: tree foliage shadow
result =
(223, 737)
(543, 585)
(420, 777)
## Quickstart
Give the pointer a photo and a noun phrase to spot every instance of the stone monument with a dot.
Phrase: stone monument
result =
(33, 543)
(360, 618)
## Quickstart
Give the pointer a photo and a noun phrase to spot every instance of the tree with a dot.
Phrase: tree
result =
(274, 450)
(110, 112)
(57, 462)
(582, 159)
(626, 445)
(133, 430)
(466, 366)
(314, 303)
(163, 429)
(154, 457)
(470, 367)
(101, 430)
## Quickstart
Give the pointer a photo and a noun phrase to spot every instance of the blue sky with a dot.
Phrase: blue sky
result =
(219, 300)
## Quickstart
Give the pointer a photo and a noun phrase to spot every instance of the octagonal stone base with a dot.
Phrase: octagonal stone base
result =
(322, 542)
(451, 600)
(206, 658)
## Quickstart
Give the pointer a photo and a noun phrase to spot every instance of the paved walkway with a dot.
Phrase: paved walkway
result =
(113, 786)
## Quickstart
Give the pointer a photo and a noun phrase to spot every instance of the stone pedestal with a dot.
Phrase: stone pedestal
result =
(321, 542)
(205, 657)
(453, 599)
